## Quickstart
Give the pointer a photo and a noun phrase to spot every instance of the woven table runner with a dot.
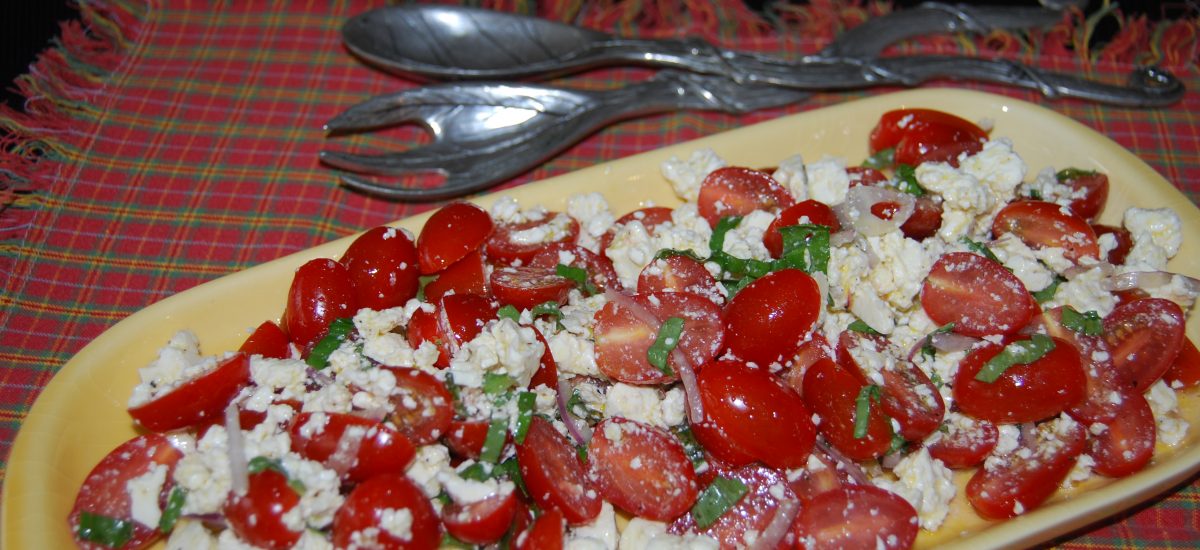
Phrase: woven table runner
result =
(167, 144)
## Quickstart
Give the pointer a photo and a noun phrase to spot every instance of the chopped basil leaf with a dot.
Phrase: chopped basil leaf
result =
(455, 395)
(1044, 295)
(260, 463)
(805, 247)
(981, 249)
(898, 444)
(936, 379)
(581, 452)
(110, 532)
(577, 407)
(494, 443)
(691, 447)
(495, 384)
(860, 326)
(927, 348)
(422, 281)
(474, 472)
(170, 513)
(296, 485)
(509, 311)
(668, 252)
(509, 469)
(884, 158)
(862, 409)
(720, 495)
(448, 541)
(547, 308)
(1021, 352)
(1068, 174)
(1088, 323)
(716, 243)
(906, 181)
(668, 337)
(526, 403)
(1035, 194)
(339, 331)
(579, 275)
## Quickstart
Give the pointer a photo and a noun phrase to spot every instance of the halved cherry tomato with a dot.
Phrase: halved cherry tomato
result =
(465, 276)
(599, 268)
(769, 318)
(642, 470)
(1094, 186)
(423, 327)
(104, 491)
(422, 407)
(925, 135)
(547, 372)
(766, 488)
(862, 175)
(1047, 225)
(527, 286)
(362, 516)
(831, 392)
(546, 533)
(321, 292)
(197, 400)
(815, 349)
(809, 211)
(1029, 475)
(978, 295)
(857, 516)
(519, 242)
(925, 220)
(383, 266)
(268, 340)
(1145, 337)
(1124, 242)
(1102, 396)
(457, 320)
(812, 480)
(650, 217)
(623, 337)
(736, 190)
(756, 411)
(1024, 392)
(965, 444)
(1127, 445)
(679, 274)
(450, 234)
(554, 476)
(1186, 368)
(909, 397)
(356, 447)
(483, 521)
(465, 438)
(257, 516)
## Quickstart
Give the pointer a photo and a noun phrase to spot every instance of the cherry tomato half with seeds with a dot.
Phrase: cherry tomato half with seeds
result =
(599, 268)
(553, 474)
(769, 318)
(357, 448)
(1186, 368)
(268, 340)
(483, 521)
(321, 293)
(527, 286)
(978, 295)
(1047, 225)
(365, 513)
(736, 191)
(679, 274)
(1092, 188)
(1027, 476)
(1127, 444)
(627, 328)
(908, 396)
(546, 533)
(966, 443)
(518, 243)
(832, 392)
(450, 234)
(1101, 402)
(1024, 392)
(422, 407)
(925, 220)
(198, 400)
(925, 135)
(1144, 337)
(383, 267)
(257, 516)
(104, 491)
(857, 516)
(650, 217)
(641, 469)
(766, 489)
(1123, 238)
(809, 211)
(465, 276)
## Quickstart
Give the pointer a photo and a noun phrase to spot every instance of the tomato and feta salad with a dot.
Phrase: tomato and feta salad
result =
(795, 357)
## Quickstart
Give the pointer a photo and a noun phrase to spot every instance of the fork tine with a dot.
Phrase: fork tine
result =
(455, 184)
(390, 164)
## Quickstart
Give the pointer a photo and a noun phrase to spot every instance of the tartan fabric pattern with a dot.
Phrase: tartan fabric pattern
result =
(172, 143)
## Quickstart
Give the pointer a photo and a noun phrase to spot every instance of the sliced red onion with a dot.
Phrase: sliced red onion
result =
(773, 534)
(1074, 271)
(319, 377)
(212, 519)
(842, 237)
(239, 474)
(444, 327)
(375, 414)
(1029, 435)
(345, 454)
(856, 211)
(890, 460)
(951, 342)
(1150, 279)
(582, 434)
(849, 466)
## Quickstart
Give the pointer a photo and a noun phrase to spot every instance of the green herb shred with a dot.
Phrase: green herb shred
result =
(861, 326)
(339, 331)
(716, 499)
(668, 337)
(509, 311)
(110, 532)
(1046, 294)
(1088, 323)
(884, 158)
(579, 275)
(526, 403)
(494, 443)
(981, 249)
(906, 181)
(1021, 352)
(862, 409)
(170, 514)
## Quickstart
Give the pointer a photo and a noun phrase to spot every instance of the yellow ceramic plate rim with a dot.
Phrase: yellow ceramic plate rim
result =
(80, 416)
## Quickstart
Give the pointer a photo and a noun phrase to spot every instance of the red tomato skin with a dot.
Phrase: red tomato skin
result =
(268, 340)
(857, 516)
(769, 318)
(465, 438)
(623, 338)
(679, 274)
(996, 301)
(862, 175)
(966, 448)
(481, 522)
(465, 276)
(925, 220)
(756, 411)
(430, 418)
(1145, 337)
(1102, 383)
(382, 449)
(198, 400)
(831, 392)
(368, 500)
(815, 349)
(546, 533)
(1124, 242)
(736, 190)
(909, 397)
(1095, 194)
(994, 493)
(257, 516)
(923, 135)
(321, 293)
(809, 482)
(103, 491)
(383, 266)
(650, 218)
(1127, 445)
(1024, 393)
(451, 233)
(502, 249)
(527, 286)
(599, 268)
(423, 327)
(1186, 368)
(816, 211)
(753, 512)
(645, 472)
(553, 474)
(547, 372)
(1042, 224)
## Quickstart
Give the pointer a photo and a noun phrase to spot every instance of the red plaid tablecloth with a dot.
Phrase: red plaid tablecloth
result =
(168, 144)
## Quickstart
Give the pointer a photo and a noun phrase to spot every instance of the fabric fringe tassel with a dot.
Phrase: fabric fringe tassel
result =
(65, 84)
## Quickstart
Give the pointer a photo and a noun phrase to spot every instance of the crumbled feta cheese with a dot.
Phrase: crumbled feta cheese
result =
(425, 467)
(502, 347)
(1171, 427)
(828, 181)
(143, 492)
(177, 362)
(191, 535)
(593, 215)
(1086, 291)
(926, 483)
(1018, 257)
(600, 533)
(1157, 235)
(791, 174)
(687, 175)
(643, 404)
